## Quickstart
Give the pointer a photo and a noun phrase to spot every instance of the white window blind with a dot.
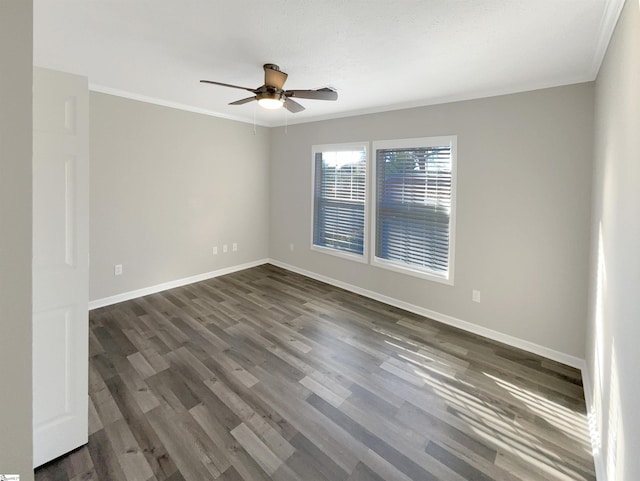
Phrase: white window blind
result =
(339, 199)
(414, 192)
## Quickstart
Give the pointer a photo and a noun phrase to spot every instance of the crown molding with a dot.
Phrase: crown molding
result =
(610, 16)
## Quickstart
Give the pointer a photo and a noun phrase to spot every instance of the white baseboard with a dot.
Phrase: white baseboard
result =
(445, 319)
(126, 296)
(437, 316)
(598, 460)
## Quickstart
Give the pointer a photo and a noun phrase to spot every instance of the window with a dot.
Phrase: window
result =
(339, 199)
(414, 206)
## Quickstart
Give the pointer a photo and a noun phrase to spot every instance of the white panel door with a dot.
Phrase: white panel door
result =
(60, 263)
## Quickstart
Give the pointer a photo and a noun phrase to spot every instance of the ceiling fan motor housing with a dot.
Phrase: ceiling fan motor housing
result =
(271, 94)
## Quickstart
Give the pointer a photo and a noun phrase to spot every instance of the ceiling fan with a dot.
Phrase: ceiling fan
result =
(271, 95)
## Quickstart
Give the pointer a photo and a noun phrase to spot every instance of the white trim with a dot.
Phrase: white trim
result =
(407, 270)
(443, 318)
(174, 105)
(350, 256)
(598, 461)
(341, 147)
(126, 296)
(397, 266)
(610, 15)
(446, 99)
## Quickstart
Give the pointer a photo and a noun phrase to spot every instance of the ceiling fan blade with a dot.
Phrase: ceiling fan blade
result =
(243, 101)
(293, 107)
(320, 94)
(273, 77)
(227, 85)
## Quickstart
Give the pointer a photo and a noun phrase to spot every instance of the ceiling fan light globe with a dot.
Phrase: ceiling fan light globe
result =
(271, 103)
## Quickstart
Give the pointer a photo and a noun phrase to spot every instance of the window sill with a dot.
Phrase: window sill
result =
(338, 253)
(410, 271)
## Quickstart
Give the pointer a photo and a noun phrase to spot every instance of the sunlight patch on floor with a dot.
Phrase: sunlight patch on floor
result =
(572, 424)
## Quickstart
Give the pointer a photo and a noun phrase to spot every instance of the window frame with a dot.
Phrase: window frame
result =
(396, 266)
(342, 147)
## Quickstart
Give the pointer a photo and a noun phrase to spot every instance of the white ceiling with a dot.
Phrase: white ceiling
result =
(378, 54)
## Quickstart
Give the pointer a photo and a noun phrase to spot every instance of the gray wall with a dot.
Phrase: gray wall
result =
(166, 186)
(524, 182)
(16, 33)
(614, 316)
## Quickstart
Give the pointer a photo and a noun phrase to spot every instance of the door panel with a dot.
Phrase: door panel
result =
(54, 211)
(60, 263)
(52, 339)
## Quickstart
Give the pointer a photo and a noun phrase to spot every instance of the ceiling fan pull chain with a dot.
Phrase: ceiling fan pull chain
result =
(254, 119)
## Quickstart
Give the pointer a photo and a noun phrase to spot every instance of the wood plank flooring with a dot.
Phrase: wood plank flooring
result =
(267, 375)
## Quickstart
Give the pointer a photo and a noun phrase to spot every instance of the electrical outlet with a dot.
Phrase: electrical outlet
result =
(475, 296)
(215, 250)
(291, 247)
(234, 247)
(225, 248)
(117, 270)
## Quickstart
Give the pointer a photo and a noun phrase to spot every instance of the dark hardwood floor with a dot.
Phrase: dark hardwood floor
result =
(268, 375)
